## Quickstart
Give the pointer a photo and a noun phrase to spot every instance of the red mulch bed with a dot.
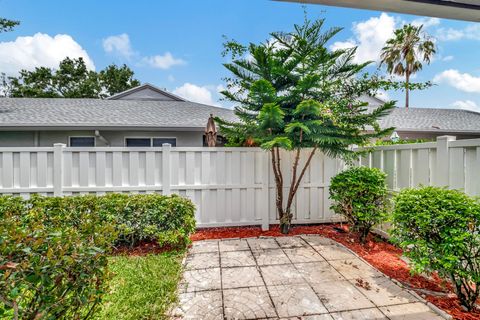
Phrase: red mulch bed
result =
(141, 249)
(381, 254)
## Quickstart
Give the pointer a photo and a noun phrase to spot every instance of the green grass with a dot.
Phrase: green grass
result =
(142, 287)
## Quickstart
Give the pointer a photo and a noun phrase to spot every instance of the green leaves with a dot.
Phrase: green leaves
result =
(439, 231)
(270, 117)
(281, 142)
(308, 108)
(53, 251)
(297, 126)
(360, 195)
(7, 25)
(293, 86)
(52, 258)
(72, 79)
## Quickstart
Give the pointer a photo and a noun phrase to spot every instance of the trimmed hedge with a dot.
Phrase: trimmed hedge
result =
(53, 250)
(439, 230)
(360, 194)
(169, 220)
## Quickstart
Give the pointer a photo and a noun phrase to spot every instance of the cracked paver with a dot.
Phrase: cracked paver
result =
(301, 277)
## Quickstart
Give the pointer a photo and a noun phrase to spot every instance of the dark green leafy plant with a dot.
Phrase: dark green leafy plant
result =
(71, 79)
(53, 259)
(53, 250)
(439, 230)
(293, 93)
(360, 194)
(169, 220)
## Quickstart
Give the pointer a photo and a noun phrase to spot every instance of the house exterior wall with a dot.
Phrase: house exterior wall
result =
(407, 135)
(116, 138)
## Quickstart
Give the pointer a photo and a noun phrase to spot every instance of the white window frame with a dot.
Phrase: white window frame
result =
(143, 137)
(94, 141)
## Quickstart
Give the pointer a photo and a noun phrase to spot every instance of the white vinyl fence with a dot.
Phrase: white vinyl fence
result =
(229, 186)
(446, 162)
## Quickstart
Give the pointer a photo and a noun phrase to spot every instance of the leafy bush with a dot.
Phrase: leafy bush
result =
(439, 230)
(53, 262)
(145, 217)
(361, 196)
(53, 250)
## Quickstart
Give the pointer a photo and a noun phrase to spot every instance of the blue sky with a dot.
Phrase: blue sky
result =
(177, 44)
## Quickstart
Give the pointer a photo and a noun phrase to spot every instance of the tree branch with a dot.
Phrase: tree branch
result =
(304, 169)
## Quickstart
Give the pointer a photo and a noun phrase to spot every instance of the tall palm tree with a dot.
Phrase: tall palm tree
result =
(404, 53)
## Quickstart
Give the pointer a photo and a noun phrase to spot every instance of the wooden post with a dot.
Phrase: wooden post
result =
(441, 179)
(166, 169)
(58, 169)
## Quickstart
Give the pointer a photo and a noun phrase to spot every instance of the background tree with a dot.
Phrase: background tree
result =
(72, 79)
(7, 25)
(116, 79)
(292, 93)
(403, 54)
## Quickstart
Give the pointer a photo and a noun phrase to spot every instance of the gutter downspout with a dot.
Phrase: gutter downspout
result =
(102, 138)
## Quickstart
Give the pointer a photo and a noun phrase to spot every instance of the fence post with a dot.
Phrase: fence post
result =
(441, 177)
(58, 169)
(166, 169)
(266, 191)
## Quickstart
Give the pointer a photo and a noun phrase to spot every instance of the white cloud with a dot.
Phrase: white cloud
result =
(471, 32)
(462, 81)
(426, 22)
(164, 62)
(119, 44)
(192, 92)
(448, 58)
(370, 37)
(466, 105)
(40, 50)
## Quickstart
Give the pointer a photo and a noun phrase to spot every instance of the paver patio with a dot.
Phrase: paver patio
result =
(301, 277)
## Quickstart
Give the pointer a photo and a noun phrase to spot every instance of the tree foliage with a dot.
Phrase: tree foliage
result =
(72, 79)
(291, 92)
(7, 25)
(439, 230)
(403, 54)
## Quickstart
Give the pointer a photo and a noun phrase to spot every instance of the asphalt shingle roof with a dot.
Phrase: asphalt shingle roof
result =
(31, 112)
(431, 119)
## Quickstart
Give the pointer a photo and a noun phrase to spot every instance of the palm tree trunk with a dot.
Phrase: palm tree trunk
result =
(407, 93)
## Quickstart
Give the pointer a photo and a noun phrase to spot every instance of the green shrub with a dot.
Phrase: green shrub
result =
(145, 217)
(53, 250)
(439, 230)
(361, 196)
(53, 262)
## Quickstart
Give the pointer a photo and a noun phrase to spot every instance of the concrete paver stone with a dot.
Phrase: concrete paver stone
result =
(301, 277)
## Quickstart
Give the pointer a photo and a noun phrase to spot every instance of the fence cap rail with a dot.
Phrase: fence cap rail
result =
(27, 149)
(424, 145)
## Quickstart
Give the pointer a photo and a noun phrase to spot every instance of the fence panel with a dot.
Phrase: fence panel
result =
(229, 186)
(445, 163)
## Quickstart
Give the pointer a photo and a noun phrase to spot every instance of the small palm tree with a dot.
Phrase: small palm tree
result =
(404, 53)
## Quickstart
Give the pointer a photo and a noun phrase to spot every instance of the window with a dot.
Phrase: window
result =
(157, 142)
(149, 142)
(82, 141)
(138, 142)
